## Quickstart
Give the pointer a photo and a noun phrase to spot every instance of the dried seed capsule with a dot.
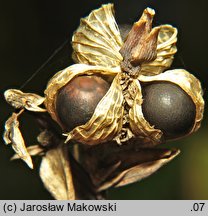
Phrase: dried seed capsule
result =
(77, 100)
(169, 108)
(104, 56)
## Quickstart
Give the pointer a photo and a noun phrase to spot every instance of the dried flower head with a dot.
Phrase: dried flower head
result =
(109, 97)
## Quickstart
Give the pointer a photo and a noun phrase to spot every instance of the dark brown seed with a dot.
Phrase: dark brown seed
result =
(77, 100)
(169, 108)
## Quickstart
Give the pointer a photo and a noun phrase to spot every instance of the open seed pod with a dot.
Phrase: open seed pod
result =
(106, 121)
(126, 66)
(189, 85)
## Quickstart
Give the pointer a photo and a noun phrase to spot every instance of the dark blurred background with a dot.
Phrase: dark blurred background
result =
(30, 32)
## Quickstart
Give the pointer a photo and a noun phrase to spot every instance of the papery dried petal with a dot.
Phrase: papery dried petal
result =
(61, 78)
(13, 136)
(189, 83)
(140, 127)
(19, 100)
(166, 48)
(55, 172)
(97, 41)
(106, 121)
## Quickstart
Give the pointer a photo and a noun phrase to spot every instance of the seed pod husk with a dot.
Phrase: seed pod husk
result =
(96, 45)
(97, 40)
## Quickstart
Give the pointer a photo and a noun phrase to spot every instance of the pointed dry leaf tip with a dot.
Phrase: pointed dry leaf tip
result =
(13, 136)
(19, 100)
(55, 172)
(142, 163)
(141, 43)
(143, 170)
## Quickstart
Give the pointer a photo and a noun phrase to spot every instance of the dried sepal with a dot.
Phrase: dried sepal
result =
(106, 121)
(13, 136)
(97, 41)
(55, 172)
(143, 170)
(140, 127)
(61, 78)
(19, 100)
(166, 48)
(141, 42)
(189, 83)
(34, 150)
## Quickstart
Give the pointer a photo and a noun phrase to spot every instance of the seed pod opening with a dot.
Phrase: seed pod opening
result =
(77, 100)
(142, 129)
(189, 85)
(169, 108)
(107, 117)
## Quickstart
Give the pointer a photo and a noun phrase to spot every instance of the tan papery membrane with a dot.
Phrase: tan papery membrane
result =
(140, 127)
(97, 40)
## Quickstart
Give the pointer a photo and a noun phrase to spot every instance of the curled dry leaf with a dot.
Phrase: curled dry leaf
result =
(13, 136)
(145, 169)
(19, 100)
(55, 172)
(111, 166)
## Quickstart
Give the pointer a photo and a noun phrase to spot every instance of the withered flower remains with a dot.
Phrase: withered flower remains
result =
(114, 106)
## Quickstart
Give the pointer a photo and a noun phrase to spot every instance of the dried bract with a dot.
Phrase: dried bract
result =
(56, 174)
(20, 100)
(13, 136)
